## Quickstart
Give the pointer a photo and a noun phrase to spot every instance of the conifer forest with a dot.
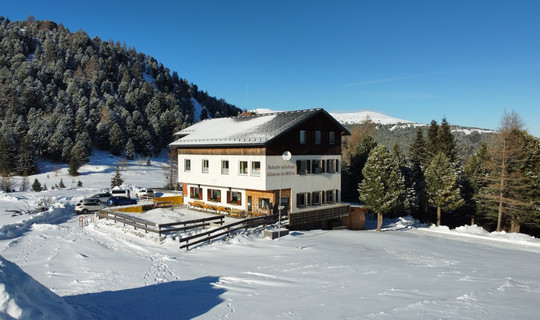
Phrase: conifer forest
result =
(63, 94)
(494, 182)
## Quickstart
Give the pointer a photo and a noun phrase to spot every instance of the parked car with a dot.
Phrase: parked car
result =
(120, 201)
(103, 197)
(117, 192)
(88, 205)
(145, 193)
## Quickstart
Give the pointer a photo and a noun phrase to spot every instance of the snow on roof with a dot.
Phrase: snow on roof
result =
(246, 129)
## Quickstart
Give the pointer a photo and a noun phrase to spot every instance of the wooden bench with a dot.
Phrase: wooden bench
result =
(196, 204)
(237, 213)
(221, 210)
(258, 214)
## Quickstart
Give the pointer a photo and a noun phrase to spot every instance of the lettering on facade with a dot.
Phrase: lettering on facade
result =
(285, 170)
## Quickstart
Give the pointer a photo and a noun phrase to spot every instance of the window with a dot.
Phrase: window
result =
(224, 166)
(264, 203)
(195, 192)
(316, 197)
(255, 168)
(330, 196)
(303, 199)
(214, 195)
(331, 137)
(300, 200)
(234, 197)
(205, 166)
(303, 166)
(317, 137)
(316, 166)
(331, 166)
(187, 165)
(302, 136)
(243, 167)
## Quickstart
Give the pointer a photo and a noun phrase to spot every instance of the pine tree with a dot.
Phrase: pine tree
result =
(446, 142)
(408, 195)
(74, 165)
(10, 148)
(531, 170)
(417, 152)
(383, 184)
(352, 173)
(36, 186)
(475, 172)
(418, 162)
(27, 163)
(102, 135)
(130, 150)
(116, 140)
(81, 151)
(117, 179)
(432, 145)
(4, 164)
(441, 185)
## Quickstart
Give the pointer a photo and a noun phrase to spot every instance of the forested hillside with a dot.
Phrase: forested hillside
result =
(445, 174)
(63, 94)
(467, 140)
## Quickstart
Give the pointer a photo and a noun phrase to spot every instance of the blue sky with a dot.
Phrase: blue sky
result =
(467, 61)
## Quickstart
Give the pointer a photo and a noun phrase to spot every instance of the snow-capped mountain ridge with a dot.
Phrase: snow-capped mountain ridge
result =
(382, 119)
(360, 116)
(353, 117)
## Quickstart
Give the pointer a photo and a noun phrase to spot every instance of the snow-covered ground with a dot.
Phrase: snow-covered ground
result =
(51, 267)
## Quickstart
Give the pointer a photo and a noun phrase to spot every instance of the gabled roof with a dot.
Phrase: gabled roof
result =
(245, 130)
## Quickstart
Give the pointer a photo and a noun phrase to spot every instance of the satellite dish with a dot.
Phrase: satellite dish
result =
(286, 156)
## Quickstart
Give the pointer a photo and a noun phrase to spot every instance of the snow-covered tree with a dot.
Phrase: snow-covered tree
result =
(383, 184)
(117, 179)
(446, 142)
(417, 151)
(130, 150)
(36, 186)
(441, 184)
(475, 172)
(432, 141)
(27, 158)
(116, 140)
(352, 171)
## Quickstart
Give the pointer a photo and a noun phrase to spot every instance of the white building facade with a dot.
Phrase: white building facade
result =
(237, 163)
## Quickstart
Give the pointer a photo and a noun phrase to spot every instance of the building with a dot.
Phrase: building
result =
(237, 163)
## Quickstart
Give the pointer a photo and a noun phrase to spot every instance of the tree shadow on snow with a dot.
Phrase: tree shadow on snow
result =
(171, 300)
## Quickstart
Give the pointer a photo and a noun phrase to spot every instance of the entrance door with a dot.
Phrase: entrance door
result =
(249, 204)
